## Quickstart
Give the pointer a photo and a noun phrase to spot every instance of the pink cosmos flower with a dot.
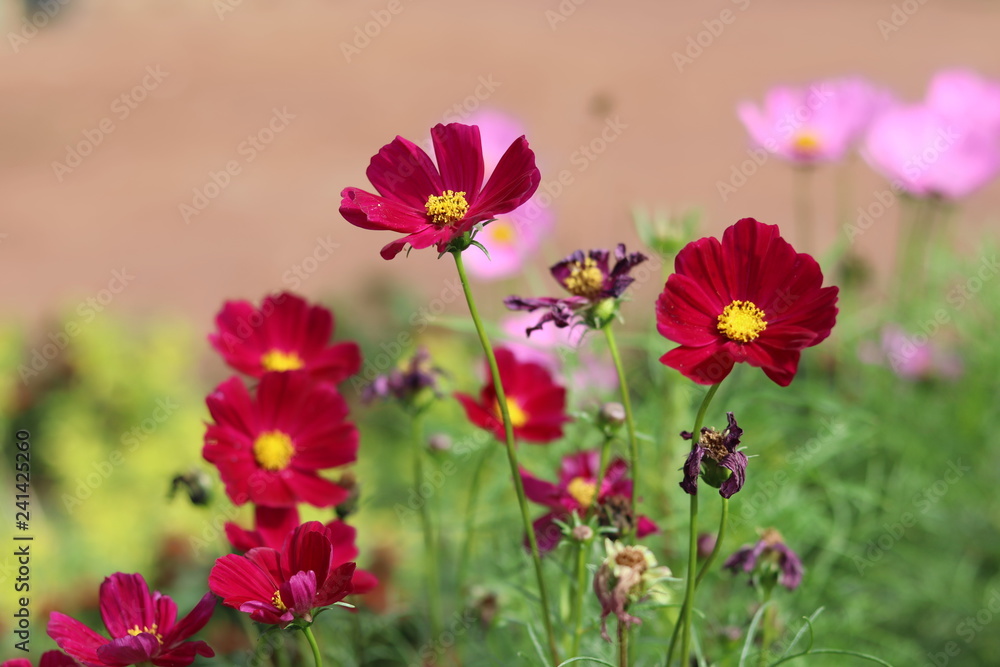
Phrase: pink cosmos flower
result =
(143, 628)
(817, 123)
(275, 524)
(966, 96)
(578, 491)
(48, 659)
(435, 205)
(514, 237)
(910, 357)
(277, 587)
(284, 334)
(269, 447)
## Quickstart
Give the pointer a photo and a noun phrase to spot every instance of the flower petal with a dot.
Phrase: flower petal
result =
(458, 149)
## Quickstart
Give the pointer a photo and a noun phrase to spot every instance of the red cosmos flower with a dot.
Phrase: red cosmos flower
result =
(143, 628)
(269, 447)
(275, 524)
(749, 298)
(48, 659)
(284, 334)
(537, 405)
(577, 491)
(436, 205)
(278, 587)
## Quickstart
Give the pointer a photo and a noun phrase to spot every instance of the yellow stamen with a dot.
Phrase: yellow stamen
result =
(277, 602)
(447, 208)
(582, 491)
(806, 142)
(136, 631)
(276, 360)
(742, 321)
(585, 278)
(518, 417)
(273, 450)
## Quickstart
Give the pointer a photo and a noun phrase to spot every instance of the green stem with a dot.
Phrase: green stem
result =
(470, 519)
(767, 635)
(622, 644)
(602, 467)
(686, 610)
(718, 543)
(313, 645)
(430, 544)
(581, 586)
(633, 442)
(511, 454)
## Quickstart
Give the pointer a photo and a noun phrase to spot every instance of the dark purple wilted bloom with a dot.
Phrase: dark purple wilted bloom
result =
(716, 460)
(592, 282)
(770, 558)
(407, 386)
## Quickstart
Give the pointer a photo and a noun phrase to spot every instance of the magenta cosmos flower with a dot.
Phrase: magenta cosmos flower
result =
(278, 587)
(275, 524)
(48, 659)
(435, 205)
(269, 447)
(513, 237)
(284, 334)
(750, 298)
(143, 628)
(537, 405)
(578, 492)
(817, 123)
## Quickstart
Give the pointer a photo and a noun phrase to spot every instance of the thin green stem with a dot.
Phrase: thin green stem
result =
(470, 519)
(686, 610)
(581, 586)
(511, 454)
(431, 559)
(718, 543)
(633, 442)
(602, 467)
(622, 644)
(767, 634)
(313, 645)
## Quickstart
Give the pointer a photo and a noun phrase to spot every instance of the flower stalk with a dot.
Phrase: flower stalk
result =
(317, 658)
(430, 544)
(633, 442)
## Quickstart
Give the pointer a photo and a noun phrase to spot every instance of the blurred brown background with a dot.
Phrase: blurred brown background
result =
(182, 86)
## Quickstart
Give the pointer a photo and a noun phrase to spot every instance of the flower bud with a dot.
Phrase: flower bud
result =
(582, 533)
(610, 417)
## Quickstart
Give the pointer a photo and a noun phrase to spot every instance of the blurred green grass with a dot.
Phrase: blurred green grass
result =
(857, 467)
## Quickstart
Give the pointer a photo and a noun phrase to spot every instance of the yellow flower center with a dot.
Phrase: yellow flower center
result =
(585, 278)
(277, 602)
(518, 417)
(447, 208)
(806, 142)
(742, 321)
(273, 450)
(503, 232)
(136, 630)
(582, 491)
(276, 360)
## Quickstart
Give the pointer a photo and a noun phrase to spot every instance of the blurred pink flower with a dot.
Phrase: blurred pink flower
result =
(514, 236)
(818, 123)
(947, 146)
(912, 357)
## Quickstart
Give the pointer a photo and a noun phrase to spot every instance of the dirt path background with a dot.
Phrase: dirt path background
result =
(174, 90)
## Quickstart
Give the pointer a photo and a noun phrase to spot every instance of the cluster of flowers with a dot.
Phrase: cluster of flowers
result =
(947, 145)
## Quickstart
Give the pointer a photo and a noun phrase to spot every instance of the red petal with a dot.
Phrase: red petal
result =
(368, 211)
(459, 153)
(74, 638)
(401, 170)
(193, 622)
(126, 604)
(511, 184)
(687, 315)
(705, 365)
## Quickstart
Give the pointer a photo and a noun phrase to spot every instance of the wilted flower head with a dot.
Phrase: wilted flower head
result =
(143, 628)
(715, 459)
(769, 561)
(409, 386)
(627, 574)
(593, 283)
(439, 204)
(816, 123)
